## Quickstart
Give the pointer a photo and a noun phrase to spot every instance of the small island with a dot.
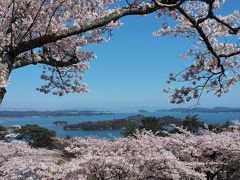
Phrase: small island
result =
(60, 123)
(143, 111)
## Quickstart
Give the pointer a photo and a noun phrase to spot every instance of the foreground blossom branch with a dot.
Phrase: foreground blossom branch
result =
(53, 33)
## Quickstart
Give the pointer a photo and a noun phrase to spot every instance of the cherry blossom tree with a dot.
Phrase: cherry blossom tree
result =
(146, 156)
(53, 33)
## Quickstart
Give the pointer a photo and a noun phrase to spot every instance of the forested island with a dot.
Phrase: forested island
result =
(117, 124)
(130, 125)
(22, 114)
(202, 110)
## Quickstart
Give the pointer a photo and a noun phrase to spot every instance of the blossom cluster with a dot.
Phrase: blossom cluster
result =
(145, 156)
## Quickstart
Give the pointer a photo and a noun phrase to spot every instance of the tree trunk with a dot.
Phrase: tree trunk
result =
(5, 69)
(2, 93)
(210, 176)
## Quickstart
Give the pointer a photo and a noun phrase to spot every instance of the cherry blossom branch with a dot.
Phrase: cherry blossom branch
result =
(42, 59)
(211, 15)
(203, 35)
(99, 22)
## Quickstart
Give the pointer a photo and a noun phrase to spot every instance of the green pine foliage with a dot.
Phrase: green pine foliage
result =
(37, 137)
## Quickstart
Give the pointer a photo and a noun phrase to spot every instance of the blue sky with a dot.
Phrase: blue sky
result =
(131, 71)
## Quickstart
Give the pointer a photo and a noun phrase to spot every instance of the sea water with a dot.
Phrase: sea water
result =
(60, 132)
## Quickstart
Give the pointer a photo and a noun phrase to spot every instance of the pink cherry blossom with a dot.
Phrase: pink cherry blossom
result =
(146, 156)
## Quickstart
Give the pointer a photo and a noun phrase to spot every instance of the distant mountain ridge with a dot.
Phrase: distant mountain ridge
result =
(51, 113)
(203, 110)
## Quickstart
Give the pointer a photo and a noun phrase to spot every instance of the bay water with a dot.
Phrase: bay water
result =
(47, 122)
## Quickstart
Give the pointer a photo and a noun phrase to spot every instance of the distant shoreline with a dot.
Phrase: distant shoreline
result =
(62, 113)
(190, 112)
(47, 114)
(202, 110)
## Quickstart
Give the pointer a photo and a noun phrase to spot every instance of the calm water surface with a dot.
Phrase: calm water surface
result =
(48, 122)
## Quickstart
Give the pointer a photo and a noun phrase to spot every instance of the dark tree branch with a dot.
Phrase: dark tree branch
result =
(171, 4)
(232, 29)
(230, 55)
(43, 59)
